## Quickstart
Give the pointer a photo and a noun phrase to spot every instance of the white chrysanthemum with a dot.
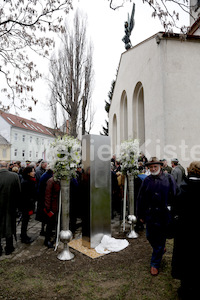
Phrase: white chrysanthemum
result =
(129, 152)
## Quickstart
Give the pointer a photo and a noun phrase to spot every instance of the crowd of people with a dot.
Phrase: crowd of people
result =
(29, 190)
(176, 170)
(162, 194)
(166, 202)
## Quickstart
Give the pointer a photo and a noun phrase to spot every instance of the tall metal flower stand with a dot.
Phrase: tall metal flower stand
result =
(131, 218)
(124, 204)
(65, 233)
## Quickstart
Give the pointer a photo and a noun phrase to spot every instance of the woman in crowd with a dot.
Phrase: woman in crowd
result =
(16, 170)
(185, 260)
(51, 208)
(28, 199)
(40, 215)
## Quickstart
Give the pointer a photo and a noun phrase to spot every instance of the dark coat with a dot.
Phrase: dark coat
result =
(40, 216)
(28, 195)
(156, 193)
(39, 172)
(9, 197)
(186, 250)
(52, 195)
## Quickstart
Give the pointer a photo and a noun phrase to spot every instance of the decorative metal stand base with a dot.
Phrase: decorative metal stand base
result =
(132, 234)
(65, 237)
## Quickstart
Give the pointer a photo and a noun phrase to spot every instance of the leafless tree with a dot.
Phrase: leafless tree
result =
(24, 28)
(53, 109)
(86, 98)
(72, 74)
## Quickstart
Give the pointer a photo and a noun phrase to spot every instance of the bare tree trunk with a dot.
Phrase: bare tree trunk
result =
(86, 99)
(83, 114)
(53, 107)
(71, 73)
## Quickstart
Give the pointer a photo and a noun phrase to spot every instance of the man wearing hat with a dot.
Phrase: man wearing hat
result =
(155, 196)
(177, 171)
(165, 167)
(28, 162)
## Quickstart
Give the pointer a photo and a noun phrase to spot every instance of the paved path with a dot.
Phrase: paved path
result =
(22, 251)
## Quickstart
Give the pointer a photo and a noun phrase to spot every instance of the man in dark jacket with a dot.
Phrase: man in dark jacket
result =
(9, 197)
(155, 196)
(185, 259)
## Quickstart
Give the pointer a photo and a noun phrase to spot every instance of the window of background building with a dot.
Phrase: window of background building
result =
(4, 152)
(15, 136)
(31, 139)
(30, 153)
(23, 153)
(15, 152)
(36, 154)
(23, 138)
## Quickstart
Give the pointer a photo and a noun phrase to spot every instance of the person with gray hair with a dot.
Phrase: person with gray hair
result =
(40, 170)
(9, 196)
(155, 196)
(176, 171)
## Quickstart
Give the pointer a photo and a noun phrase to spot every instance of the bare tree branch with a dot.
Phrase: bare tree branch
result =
(71, 74)
(24, 25)
(163, 10)
(116, 7)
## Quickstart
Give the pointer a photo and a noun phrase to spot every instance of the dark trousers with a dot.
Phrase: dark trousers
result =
(9, 244)
(51, 224)
(157, 241)
(25, 220)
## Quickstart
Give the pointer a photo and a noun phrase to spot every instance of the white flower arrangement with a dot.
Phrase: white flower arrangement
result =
(66, 154)
(129, 152)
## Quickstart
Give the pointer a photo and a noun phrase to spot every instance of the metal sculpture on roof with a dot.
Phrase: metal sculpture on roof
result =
(197, 5)
(128, 25)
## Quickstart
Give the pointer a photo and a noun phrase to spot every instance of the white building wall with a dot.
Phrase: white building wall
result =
(140, 64)
(182, 89)
(169, 72)
(34, 145)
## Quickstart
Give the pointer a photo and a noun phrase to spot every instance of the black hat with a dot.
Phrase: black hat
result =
(154, 161)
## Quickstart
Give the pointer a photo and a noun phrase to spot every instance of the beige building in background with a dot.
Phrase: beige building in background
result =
(156, 97)
(4, 149)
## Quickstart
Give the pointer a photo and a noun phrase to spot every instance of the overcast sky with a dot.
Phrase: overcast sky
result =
(106, 30)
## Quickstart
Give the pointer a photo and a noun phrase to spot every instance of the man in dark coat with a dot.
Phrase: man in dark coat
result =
(185, 260)
(155, 196)
(9, 197)
(137, 185)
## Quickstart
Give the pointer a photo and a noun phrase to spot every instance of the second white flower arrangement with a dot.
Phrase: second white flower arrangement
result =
(129, 152)
(66, 154)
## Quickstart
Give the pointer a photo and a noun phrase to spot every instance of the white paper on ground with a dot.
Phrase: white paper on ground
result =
(109, 244)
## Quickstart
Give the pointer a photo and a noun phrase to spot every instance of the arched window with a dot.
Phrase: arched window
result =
(114, 133)
(138, 114)
(123, 118)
